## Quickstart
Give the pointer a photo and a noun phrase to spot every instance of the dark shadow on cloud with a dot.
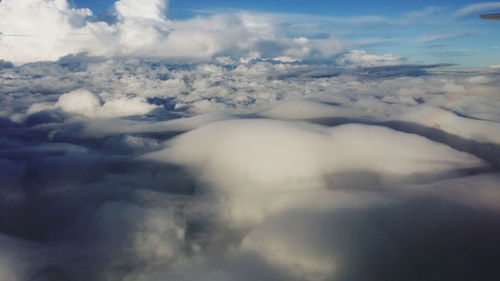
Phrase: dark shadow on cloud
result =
(364, 73)
(87, 210)
(395, 71)
(6, 123)
(487, 151)
(78, 62)
(371, 180)
(417, 238)
(48, 191)
(5, 64)
(312, 72)
(270, 49)
(76, 133)
(44, 117)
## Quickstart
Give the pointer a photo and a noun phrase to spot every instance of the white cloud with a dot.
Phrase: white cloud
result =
(35, 30)
(250, 160)
(78, 101)
(150, 9)
(302, 109)
(50, 29)
(436, 37)
(477, 9)
(360, 58)
(89, 105)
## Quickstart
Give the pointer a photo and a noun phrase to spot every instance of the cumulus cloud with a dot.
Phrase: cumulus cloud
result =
(78, 101)
(87, 104)
(26, 37)
(149, 10)
(142, 30)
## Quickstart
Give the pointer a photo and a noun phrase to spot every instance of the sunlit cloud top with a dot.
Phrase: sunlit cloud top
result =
(38, 30)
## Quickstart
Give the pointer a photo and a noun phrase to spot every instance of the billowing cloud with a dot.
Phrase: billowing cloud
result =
(36, 30)
(85, 103)
(54, 29)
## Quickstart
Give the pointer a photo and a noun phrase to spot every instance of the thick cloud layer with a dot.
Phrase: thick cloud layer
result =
(128, 169)
(254, 162)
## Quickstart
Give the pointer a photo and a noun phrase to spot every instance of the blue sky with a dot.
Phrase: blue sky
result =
(422, 31)
(185, 8)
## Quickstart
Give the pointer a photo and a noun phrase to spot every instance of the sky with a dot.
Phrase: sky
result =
(314, 7)
(421, 31)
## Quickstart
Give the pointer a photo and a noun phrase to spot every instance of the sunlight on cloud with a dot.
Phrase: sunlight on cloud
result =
(142, 30)
(88, 104)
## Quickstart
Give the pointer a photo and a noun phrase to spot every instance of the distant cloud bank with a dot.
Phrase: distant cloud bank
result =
(38, 30)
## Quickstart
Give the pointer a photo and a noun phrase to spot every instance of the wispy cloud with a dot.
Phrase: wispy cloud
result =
(443, 36)
(423, 15)
(477, 9)
(434, 46)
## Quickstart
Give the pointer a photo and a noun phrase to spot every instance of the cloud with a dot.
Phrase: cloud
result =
(423, 15)
(476, 9)
(142, 30)
(143, 169)
(16, 258)
(88, 104)
(249, 160)
(146, 10)
(78, 101)
(58, 34)
(360, 58)
(338, 242)
(436, 37)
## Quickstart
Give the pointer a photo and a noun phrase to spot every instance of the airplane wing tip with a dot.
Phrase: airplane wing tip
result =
(490, 16)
